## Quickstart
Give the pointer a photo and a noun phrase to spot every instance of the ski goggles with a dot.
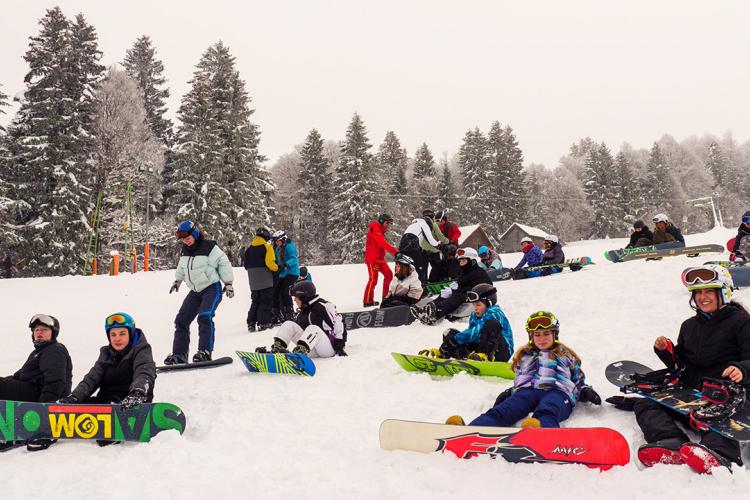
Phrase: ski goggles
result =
(699, 276)
(43, 319)
(746, 220)
(119, 320)
(184, 233)
(472, 296)
(541, 321)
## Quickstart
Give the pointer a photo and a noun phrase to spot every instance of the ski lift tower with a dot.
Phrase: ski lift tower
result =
(705, 202)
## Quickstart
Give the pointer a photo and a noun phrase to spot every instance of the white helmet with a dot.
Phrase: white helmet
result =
(467, 253)
(552, 238)
(526, 239)
(660, 218)
(277, 235)
(709, 276)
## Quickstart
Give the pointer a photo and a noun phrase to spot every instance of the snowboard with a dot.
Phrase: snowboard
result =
(671, 252)
(501, 274)
(547, 269)
(450, 367)
(193, 366)
(289, 364)
(728, 263)
(595, 447)
(20, 421)
(619, 254)
(378, 318)
(682, 400)
(435, 288)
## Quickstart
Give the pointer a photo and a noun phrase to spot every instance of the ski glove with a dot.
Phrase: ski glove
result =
(68, 400)
(504, 395)
(622, 402)
(136, 397)
(175, 286)
(446, 292)
(589, 395)
(228, 290)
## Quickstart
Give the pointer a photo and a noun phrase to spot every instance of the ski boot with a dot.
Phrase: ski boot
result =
(455, 420)
(175, 359)
(702, 459)
(664, 451)
(426, 314)
(531, 423)
(201, 356)
(301, 348)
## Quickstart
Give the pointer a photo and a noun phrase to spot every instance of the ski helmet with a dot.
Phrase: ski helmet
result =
(483, 292)
(120, 319)
(660, 218)
(542, 320)
(483, 250)
(467, 253)
(709, 276)
(45, 320)
(746, 217)
(187, 228)
(303, 290)
(384, 217)
(638, 224)
(263, 233)
(552, 238)
(526, 239)
(402, 258)
(442, 215)
(278, 235)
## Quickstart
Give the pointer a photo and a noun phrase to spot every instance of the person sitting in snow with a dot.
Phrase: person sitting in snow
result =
(553, 252)
(406, 289)
(532, 256)
(317, 330)
(741, 249)
(665, 231)
(712, 344)
(489, 336)
(448, 268)
(548, 384)
(489, 259)
(641, 235)
(452, 297)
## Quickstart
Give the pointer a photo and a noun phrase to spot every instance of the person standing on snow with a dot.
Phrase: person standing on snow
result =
(406, 289)
(741, 249)
(260, 262)
(203, 266)
(411, 244)
(288, 262)
(317, 331)
(376, 246)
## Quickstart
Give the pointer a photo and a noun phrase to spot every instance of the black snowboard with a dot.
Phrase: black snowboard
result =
(378, 318)
(670, 252)
(194, 366)
(682, 400)
(501, 274)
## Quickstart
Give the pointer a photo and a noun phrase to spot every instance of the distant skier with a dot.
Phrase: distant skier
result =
(665, 231)
(741, 249)
(489, 336)
(288, 262)
(318, 329)
(304, 274)
(489, 258)
(203, 266)
(641, 235)
(405, 289)
(713, 344)
(376, 246)
(548, 384)
(260, 263)
(450, 230)
(411, 244)
(532, 254)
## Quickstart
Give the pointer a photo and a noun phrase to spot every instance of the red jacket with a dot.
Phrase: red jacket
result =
(376, 246)
(450, 231)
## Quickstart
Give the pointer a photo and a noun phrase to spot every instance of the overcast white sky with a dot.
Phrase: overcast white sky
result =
(429, 70)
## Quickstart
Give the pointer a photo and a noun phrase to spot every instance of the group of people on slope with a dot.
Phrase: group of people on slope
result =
(664, 232)
(533, 256)
(123, 374)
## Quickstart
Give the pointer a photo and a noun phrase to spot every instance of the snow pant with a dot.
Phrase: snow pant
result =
(409, 245)
(372, 281)
(18, 390)
(282, 301)
(658, 422)
(202, 304)
(491, 342)
(444, 307)
(261, 303)
(398, 300)
(549, 407)
(315, 338)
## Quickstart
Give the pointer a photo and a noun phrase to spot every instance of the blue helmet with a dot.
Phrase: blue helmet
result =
(187, 228)
(483, 250)
(121, 319)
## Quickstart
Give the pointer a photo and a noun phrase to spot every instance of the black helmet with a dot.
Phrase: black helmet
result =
(303, 272)
(384, 217)
(428, 212)
(46, 320)
(441, 215)
(303, 290)
(638, 224)
(484, 292)
(263, 233)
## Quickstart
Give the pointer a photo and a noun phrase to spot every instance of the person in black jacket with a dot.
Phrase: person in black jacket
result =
(260, 262)
(448, 268)
(48, 372)
(714, 343)
(125, 371)
(452, 297)
(641, 235)
(317, 330)
(553, 252)
(741, 249)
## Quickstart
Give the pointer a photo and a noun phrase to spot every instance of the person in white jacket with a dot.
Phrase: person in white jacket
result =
(418, 231)
(405, 289)
(203, 267)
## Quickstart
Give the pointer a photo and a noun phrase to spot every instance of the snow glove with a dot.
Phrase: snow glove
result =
(136, 397)
(449, 345)
(228, 290)
(589, 395)
(448, 291)
(175, 286)
(623, 403)
(68, 400)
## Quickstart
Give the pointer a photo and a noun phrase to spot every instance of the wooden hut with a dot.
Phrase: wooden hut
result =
(510, 240)
(474, 237)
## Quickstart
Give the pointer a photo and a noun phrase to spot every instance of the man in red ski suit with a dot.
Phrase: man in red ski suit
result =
(375, 248)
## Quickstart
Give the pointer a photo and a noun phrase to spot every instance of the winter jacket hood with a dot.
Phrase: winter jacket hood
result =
(376, 245)
(203, 264)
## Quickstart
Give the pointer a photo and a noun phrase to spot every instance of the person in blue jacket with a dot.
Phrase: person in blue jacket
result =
(203, 266)
(288, 261)
(532, 254)
(489, 336)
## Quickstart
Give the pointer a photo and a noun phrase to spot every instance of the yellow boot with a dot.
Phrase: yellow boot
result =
(455, 420)
(530, 422)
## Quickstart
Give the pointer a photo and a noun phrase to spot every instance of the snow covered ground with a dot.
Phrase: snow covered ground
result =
(257, 435)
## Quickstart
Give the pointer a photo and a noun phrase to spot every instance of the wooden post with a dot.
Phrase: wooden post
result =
(93, 266)
(115, 263)
(133, 261)
(146, 249)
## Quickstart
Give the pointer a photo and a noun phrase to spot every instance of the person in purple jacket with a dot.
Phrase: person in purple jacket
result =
(548, 382)
(532, 254)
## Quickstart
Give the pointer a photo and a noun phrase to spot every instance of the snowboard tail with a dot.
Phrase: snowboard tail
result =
(378, 318)
(289, 363)
(450, 367)
(595, 447)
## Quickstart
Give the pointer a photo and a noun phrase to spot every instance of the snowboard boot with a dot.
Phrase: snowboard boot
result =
(664, 451)
(702, 459)
(371, 304)
(288, 314)
(39, 444)
(431, 352)
(426, 314)
(175, 359)
(531, 423)
(201, 356)
(301, 348)
(278, 347)
(264, 326)
(455, 420)
(251, 327)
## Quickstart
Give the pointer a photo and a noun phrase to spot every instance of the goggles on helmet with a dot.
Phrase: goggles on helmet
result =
(183, 232)
(472, 296)
(119, 320)
(43, 319)
(746, 220)
(700, 276)
(541, 321)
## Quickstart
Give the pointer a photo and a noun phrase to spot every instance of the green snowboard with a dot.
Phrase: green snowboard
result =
(450, 367)
(21, 421)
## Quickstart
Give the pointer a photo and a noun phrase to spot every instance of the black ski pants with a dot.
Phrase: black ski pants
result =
(444, 307)
(202, 304)
(281, 298)
(409, 245)
(398, 300)
(657, 422)
(261, 303)
(18, 390)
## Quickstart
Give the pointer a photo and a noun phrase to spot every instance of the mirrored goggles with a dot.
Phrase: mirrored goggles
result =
(746, 220)
(116, 319)
(44, 319)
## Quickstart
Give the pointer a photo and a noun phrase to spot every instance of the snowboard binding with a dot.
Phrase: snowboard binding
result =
(724, 398)
(655, 381)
